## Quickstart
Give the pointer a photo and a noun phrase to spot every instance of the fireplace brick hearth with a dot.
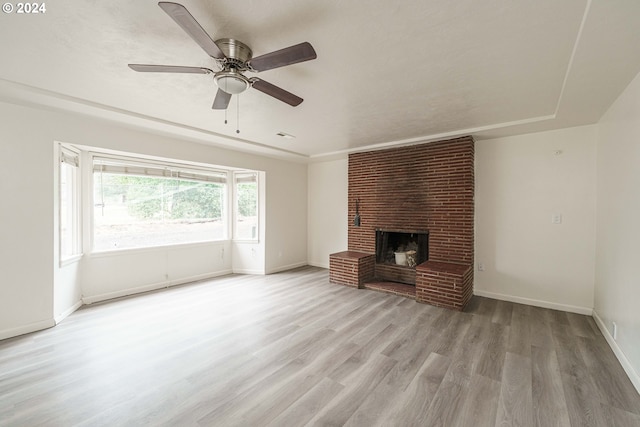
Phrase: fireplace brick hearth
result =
(444, 284)
(420, 187)
(351, 268)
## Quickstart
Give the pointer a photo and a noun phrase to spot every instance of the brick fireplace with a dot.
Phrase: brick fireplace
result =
(421, 188)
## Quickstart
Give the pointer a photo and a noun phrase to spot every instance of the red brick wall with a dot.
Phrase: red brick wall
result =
(395, 273)
(421, 187)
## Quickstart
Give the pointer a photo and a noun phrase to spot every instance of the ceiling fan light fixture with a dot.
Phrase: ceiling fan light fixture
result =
(232, 82)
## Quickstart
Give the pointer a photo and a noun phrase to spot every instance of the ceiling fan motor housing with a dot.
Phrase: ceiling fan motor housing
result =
(237, 55)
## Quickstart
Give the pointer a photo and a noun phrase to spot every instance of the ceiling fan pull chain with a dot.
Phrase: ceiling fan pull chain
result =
(238, 113)
(225, 110)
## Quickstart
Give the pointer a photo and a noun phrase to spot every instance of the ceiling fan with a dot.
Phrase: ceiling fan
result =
(233, 57)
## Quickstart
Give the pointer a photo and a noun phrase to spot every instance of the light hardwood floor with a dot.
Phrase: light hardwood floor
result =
(290, 349)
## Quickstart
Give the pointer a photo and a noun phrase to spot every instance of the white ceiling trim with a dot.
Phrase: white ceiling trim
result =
(573, 55)
(18, 93)
(433, 138)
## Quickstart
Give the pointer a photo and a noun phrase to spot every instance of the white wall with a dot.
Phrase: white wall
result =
(286, 232)
(328, 222)
(520, 183)
(617, 285)
(67, 289)
(109, 275)
(27, 224)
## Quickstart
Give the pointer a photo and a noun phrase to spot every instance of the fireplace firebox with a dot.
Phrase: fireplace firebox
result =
(391, 243)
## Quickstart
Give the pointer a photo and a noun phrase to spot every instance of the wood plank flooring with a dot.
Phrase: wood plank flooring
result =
(290, 349)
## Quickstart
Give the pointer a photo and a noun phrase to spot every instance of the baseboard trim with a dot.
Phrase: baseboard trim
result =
(27, 329)
(248, 271)
(59, 318)
(319, 264)
(626, 365)
(152, 287)
(198, 277)
(287, 267)
(537, 303)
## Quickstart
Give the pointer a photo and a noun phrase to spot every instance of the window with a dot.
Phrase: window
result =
(139, 204)
(246, 213)
(69, 203)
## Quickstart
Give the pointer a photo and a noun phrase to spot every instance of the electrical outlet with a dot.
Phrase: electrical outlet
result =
(615, 331)
(556, 219)
(481, 266)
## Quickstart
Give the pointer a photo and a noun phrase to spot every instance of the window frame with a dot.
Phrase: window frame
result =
(236, 214)
(68, 155)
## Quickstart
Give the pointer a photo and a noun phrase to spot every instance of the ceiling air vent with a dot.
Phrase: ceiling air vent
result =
(285, 135)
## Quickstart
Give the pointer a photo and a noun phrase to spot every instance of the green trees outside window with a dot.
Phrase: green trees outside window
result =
(137, 211)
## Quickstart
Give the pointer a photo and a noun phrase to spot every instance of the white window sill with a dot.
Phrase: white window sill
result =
(116, 252)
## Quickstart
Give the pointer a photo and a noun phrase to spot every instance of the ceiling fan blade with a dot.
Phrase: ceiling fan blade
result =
(181, 15)
(146, 68)
(221, 102)
(287, 56)
(276, 92)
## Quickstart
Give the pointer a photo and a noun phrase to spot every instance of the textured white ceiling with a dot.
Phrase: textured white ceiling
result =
(387, 73)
